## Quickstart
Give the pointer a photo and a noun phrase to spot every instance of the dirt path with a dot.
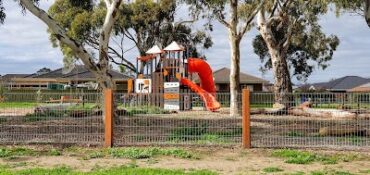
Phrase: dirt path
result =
(223, 161)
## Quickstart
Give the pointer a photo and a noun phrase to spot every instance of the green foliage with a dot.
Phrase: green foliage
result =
(295, 157)
(365, 171)
(42, 171)
(16, 151)
(202, 135)
(330, 172)
(143, 21)
(272, 170)
(122, 170)
(144, 153)
(17, 105)
(2, 12)
(305, 157)
(131, 111)
(55, 152)
(57, 114)
(308, 47)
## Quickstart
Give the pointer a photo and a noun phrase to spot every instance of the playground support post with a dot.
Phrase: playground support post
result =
(246, 131)
(108, 118)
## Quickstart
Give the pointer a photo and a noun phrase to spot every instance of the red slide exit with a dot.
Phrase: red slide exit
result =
(207, 91)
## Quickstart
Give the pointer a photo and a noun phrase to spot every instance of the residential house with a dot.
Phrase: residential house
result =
(59, 79)
(362, 88)
(222, 81)
(344, 84)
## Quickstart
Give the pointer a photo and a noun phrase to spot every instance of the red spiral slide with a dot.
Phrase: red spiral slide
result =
(207, 91)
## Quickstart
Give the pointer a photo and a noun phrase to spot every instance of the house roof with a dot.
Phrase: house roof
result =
(78, 72)
(223, 76)
(8, 77)
(340, 84)
(361, 88)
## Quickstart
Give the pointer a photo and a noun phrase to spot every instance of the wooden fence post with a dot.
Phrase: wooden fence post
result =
(246, 133)
(108, 118)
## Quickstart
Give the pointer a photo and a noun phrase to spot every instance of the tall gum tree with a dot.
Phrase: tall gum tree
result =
(143, 22)
(241, 17)
(291, 41)
(2, 12)
(361, 7)
(99, 67)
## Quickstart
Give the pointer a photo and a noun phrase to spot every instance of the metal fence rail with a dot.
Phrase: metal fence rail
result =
(55, 118)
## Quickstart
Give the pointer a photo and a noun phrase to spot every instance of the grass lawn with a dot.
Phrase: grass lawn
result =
(17, 105)
(123, 170)
(47, 160)
(86, 106)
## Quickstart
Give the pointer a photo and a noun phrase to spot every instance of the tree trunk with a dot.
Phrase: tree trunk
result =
(234, 41)
(283, 84)
(234, 74)
(105, 81)
(282, 80)
(367, 11)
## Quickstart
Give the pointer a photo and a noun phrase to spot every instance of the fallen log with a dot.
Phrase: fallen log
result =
(322, 113)
(338, 131)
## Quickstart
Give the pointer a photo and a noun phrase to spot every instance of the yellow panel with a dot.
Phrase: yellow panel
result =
(169, 96)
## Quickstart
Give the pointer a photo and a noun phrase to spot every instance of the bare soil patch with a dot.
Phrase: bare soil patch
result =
(222, 161)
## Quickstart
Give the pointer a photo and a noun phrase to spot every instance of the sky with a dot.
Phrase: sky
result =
(25, 47)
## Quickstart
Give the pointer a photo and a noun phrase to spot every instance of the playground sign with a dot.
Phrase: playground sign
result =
(143, 86)
(172, 96)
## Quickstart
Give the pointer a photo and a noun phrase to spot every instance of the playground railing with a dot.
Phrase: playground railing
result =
(52, 118)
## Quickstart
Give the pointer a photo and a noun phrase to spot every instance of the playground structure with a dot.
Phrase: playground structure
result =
(165, 75)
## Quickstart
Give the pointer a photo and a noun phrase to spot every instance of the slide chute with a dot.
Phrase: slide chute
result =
(207, 89)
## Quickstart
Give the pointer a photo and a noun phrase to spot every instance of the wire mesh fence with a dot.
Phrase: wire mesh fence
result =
(54, 118)
(314, 120)
(143, 120)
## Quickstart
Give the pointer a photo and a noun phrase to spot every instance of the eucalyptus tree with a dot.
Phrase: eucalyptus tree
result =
(360, 7)
(143, 22)
(367, 12)
(2, 12)
(98, 65)
(291, 42)
(241, 14)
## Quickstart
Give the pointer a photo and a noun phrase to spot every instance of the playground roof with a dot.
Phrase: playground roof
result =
(154, 50)
(174, 46)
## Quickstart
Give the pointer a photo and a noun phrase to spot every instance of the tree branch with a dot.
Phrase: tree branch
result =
(61, 35)
(110, 18)
(288, 35)
(250, 19)
(107, 3)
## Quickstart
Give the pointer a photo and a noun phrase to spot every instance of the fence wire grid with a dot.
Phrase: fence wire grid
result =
(143, 121)
(314, 120)
(51, 118)
(308, 120)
